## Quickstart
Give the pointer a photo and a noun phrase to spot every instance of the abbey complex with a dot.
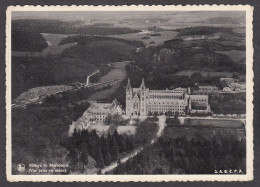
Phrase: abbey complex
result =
(142, 101)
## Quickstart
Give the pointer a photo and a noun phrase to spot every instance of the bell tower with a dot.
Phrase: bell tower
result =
(129, 97)
(143, 99)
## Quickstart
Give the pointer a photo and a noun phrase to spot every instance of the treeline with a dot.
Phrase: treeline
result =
(204, 30)
(198, 155)
(28, 41)
(84, 39)
(104, 150)
(67, 27)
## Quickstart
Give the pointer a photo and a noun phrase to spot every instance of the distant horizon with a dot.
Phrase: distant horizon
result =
(172, 16)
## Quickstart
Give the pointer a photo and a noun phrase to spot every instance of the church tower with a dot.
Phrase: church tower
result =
(129, 97)
(143, 99)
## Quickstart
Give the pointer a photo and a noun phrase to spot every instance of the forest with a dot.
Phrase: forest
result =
(67, 27)
(84, 39)
(104, 150)
(102, 50)
(28, 41)
(37, 137)
(201, 153)
(204, 30)
(30, 72)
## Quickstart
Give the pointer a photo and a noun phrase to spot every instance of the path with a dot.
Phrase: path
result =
(161, 124)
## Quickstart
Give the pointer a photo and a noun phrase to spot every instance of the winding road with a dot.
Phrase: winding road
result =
(161, 124)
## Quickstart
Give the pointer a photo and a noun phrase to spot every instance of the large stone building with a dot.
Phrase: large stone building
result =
(96, 113)
(142, 101)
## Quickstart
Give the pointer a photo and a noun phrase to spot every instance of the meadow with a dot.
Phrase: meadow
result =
(152, 39)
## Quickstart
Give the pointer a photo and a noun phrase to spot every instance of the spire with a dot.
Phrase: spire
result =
(128, 86)
(142, 85)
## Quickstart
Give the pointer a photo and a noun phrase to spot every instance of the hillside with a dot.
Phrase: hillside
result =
(186, 60)
(42, 91)
(38, 130)
(84, 39)
(66, 27)
(101, 52)
(28, 41)
(30, 72)
(204, 30)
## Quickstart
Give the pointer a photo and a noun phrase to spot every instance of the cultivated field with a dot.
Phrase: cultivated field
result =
(152, 40)
(42, 91)
(53, 41)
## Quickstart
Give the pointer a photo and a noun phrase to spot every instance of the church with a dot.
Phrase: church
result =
(142, 101)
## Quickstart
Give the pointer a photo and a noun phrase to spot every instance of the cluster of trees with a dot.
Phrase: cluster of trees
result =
(28, 41)
(84, 39)
(67, 27)
(172, 121)
(228, 103)
(146, 130)
(182, 155)
(203, 30)
(104, 150)
(101, 52)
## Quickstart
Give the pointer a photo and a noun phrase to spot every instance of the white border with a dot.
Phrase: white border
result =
(137, 178)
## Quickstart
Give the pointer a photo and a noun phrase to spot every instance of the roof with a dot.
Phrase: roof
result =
(100, 107)
(238, 85)
(104, 108)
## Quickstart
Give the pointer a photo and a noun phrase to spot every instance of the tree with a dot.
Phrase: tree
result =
(114, 148)
(99, 158)
(169, 113)
(176, 119)
(84, 155)
(106, 154)
(99, 172)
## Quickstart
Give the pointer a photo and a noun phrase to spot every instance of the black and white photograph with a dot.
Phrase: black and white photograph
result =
(129, 93)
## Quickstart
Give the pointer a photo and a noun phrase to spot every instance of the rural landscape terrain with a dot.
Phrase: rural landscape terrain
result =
(62, 63)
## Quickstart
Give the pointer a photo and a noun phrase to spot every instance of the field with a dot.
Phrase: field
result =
(152, 41)
(42, 91)
(53, 41)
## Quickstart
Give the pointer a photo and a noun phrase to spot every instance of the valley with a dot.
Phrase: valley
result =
(54, 66)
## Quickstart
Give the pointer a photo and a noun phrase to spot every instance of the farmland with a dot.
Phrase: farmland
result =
(156, 39)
